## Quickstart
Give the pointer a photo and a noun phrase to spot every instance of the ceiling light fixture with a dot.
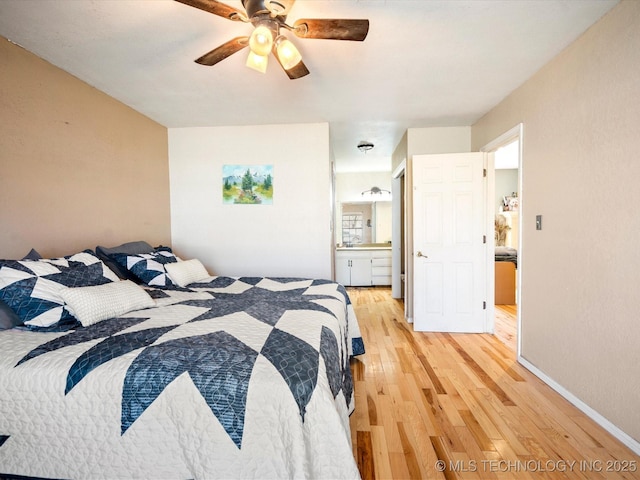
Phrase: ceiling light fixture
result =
(365, 146)
(269, 18)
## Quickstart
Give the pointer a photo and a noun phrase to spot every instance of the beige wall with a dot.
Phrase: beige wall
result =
(77, 168)
(580, 273)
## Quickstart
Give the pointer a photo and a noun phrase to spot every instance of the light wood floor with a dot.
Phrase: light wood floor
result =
(506, 325)
(425, 401)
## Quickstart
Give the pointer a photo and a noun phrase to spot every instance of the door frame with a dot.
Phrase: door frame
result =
(398, 219)
(514, 133)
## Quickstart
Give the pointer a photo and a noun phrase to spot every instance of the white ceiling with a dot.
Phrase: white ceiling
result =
(424, 63)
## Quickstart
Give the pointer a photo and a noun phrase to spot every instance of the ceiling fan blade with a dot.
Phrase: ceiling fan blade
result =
(298, 71)
(223, 51)
(217, 8)
(332, 29)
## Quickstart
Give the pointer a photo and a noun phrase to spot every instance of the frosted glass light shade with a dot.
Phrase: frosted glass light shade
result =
(261, 41)
(257, 62)
(288, 54)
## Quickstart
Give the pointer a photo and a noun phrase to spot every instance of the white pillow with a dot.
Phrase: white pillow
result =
(186, 272)
(93, 304)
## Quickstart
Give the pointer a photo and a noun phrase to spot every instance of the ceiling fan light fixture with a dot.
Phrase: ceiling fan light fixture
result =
(278, 7)
(268, 18)
(257, 62)
(261, 40)
(287, 53)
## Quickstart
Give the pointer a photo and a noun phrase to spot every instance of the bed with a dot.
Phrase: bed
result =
(193, 376)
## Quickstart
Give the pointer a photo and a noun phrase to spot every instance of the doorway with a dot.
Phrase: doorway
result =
(505, 199)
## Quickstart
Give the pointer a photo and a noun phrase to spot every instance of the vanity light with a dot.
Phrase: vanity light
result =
(376, 191)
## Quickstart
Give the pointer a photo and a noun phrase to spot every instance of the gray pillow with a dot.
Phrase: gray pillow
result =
(107, 255)
(8, 318)
(32, 255)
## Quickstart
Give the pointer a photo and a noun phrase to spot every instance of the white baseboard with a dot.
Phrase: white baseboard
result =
(586, 409)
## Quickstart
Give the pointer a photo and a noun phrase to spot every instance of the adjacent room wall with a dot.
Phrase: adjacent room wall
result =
(579, 290)
(292, 237)
(77, 168)
(506, 184)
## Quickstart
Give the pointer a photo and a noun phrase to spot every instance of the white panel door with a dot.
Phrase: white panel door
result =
(449, 257)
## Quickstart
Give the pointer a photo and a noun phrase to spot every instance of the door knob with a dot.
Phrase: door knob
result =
(420, 254)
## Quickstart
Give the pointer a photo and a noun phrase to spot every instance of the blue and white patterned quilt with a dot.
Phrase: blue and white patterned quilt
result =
(229, 378)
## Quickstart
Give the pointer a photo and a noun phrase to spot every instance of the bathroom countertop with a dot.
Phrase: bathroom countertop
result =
(365, 247)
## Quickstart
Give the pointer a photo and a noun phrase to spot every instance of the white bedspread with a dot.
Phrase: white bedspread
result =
(232, 378)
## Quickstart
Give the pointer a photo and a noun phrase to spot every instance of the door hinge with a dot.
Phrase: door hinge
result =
(484, 172)
(484, 305)
(484, 239)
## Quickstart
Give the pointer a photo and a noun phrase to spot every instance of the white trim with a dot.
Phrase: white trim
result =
(489, 197)
(506, 137)
(396, 233)
(586, 409)
(399, 169)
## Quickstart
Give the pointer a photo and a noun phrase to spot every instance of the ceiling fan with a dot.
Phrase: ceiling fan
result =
(269, 18)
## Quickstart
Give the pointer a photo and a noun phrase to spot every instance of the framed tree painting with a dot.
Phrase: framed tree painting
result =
(247, 184)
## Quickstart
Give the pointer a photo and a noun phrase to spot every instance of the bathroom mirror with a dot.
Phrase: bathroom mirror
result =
(365, 222)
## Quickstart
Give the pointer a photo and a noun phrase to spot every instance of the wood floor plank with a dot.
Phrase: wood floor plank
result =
(464, 400)
(380, 454)
(365, 455)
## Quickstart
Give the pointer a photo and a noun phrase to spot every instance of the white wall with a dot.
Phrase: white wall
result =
(291, 238)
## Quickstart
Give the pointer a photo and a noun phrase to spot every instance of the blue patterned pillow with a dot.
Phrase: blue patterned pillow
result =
(149, 267)
(31, 288)
(8, 318)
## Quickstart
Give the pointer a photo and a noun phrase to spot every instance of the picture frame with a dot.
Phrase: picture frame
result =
(247, 184)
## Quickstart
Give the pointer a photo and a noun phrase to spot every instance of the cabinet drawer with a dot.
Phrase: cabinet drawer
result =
(385, 271)
(381, 280)
(381, 261)
(353, 254)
